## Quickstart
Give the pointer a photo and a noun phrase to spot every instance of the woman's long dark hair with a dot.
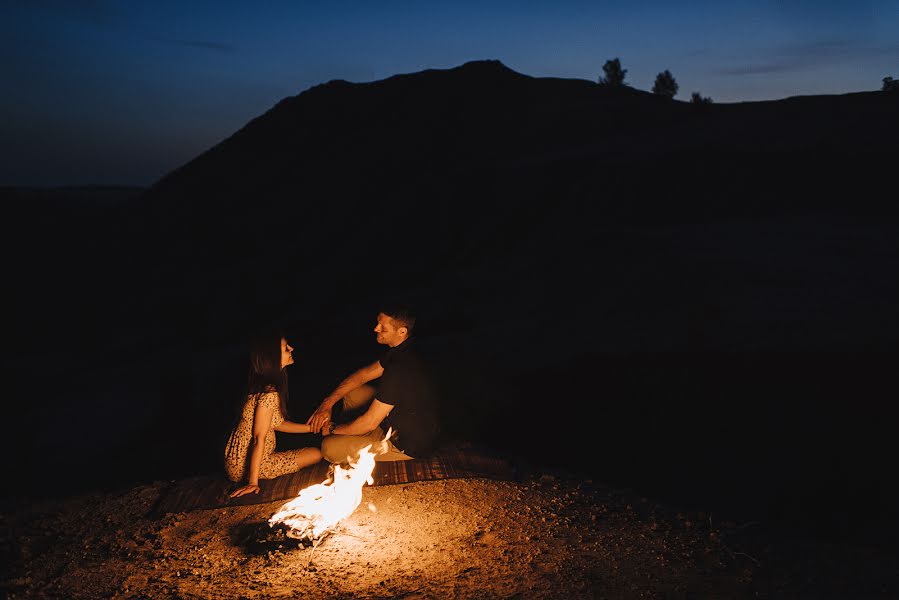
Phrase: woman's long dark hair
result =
(265, 372)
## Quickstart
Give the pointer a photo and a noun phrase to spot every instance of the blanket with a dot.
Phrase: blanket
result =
(212, 491)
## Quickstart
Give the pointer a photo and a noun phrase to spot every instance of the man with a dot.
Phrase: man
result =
(404, 400)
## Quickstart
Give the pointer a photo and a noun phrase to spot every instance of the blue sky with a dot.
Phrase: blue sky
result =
(102, 92)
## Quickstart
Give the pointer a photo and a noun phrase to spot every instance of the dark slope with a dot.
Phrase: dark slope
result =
(484, 116)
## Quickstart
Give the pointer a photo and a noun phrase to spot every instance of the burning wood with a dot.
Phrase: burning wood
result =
(314, 513)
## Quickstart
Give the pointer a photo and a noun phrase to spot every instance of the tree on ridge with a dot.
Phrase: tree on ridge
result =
(614, 74)
(665, 85)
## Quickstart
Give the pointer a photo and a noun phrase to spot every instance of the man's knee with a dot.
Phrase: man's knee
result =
(334, 450)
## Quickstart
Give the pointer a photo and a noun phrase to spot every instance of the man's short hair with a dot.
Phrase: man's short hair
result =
(401, 313)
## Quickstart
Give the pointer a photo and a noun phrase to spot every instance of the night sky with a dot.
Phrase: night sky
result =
(102, 92)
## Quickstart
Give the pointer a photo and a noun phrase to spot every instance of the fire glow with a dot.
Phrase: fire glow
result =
(318, 508)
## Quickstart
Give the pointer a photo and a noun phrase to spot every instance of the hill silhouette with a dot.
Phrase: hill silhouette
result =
(482, 115)
(693, 300)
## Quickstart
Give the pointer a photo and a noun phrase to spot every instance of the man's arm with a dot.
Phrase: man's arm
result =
(323, 413)
(367, 421)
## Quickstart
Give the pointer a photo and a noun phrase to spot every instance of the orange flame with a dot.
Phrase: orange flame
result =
(318, 508)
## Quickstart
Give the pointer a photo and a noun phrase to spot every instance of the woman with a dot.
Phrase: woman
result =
(250, 452)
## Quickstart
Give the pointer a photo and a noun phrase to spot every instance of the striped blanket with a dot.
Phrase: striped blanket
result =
(211, 491)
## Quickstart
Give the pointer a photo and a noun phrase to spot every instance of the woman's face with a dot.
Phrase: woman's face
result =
(286, 353)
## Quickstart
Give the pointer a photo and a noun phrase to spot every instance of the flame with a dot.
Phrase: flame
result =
(318, 508)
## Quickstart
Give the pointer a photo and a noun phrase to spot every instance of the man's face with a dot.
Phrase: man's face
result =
(388, 331)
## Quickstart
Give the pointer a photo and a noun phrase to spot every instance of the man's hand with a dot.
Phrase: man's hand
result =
(319, 419)
(251, 488)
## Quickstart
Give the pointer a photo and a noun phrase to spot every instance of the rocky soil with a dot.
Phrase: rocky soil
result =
(542, 537)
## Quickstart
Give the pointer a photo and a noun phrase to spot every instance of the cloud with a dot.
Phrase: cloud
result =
(801, 57)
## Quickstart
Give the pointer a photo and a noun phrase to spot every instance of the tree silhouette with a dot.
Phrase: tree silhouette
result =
(890, 85)
(697, 99)
(665, 85)
(614, 74)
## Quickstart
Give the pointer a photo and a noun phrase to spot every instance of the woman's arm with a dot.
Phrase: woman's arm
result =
(291, 427)
(262, 420)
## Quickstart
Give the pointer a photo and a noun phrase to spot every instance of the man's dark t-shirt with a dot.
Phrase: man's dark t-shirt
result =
(405, 384)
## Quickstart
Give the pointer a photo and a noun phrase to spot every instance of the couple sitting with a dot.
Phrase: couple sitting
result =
(404, 400)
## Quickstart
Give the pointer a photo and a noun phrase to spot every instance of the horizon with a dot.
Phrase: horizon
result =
(112, 96)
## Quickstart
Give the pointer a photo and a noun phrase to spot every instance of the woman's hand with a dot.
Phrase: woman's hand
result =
(250, 488)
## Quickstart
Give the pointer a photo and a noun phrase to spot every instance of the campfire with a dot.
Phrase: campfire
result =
(315, 512)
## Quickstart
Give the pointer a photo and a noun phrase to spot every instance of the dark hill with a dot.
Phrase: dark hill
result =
(408, 129)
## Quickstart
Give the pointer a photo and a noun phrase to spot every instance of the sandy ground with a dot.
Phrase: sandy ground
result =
(541, 537)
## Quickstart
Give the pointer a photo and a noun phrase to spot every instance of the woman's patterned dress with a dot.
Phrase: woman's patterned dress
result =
(237, 450)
